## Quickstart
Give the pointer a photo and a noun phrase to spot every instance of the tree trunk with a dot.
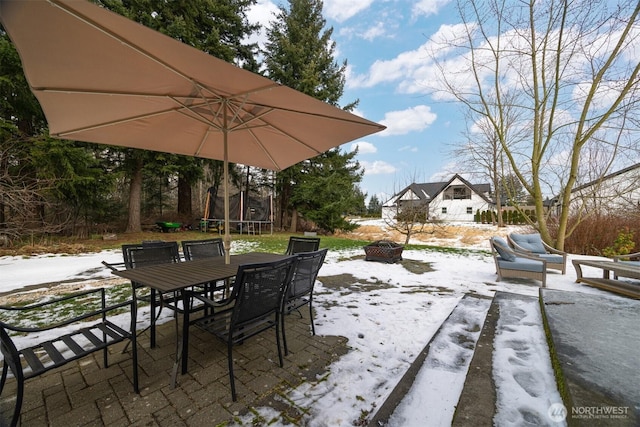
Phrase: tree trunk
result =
(184, 199)
(294, 221)
(135, 199)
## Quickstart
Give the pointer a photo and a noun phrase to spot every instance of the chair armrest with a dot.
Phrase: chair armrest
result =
(99, 310)
(553, 250)
(209, 302)
(114, 266)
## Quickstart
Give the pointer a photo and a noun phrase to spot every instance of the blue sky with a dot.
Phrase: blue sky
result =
(383, 43)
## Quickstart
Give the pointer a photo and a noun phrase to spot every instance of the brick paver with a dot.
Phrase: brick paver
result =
(85, 394)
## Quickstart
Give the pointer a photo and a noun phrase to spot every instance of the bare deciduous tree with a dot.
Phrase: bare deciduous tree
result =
(22, 200)
(556, 81)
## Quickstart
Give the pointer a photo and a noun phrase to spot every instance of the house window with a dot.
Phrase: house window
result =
(444, 210)
(457, 193)
(469, 210)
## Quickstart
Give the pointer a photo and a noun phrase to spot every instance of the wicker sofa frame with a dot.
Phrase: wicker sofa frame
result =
(504, 273)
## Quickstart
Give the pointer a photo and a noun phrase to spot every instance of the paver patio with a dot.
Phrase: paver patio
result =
(84, 393)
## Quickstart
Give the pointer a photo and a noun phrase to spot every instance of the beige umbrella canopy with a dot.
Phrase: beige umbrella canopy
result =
(103, 78)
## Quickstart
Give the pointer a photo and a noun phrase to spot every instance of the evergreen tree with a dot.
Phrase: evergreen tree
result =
(46, 185)
(217, 27)
(375, 206)
(330, 193)
(300, 54)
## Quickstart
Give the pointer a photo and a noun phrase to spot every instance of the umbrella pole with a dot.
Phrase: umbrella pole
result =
(227, 235)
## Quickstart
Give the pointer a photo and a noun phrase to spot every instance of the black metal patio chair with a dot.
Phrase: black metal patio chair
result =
(253, 307)
(146, 254)
(300, 291)
(302, 244)
(202, 249)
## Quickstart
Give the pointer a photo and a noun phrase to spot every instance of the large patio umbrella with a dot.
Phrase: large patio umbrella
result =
(103, 78)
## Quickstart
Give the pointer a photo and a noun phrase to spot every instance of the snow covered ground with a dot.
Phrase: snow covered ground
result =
(388, 315)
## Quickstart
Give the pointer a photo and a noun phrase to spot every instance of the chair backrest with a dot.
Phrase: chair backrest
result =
(305, 273)
(198, 249)
(144, 254)
(302, 244)
(258, 290)
(530, 242)
(500, 247)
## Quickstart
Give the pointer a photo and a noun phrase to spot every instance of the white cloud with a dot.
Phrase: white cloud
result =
(428, 7)
(410, 148)
(341, 10)
(411, 68)
(378, 167)
(402, 122)
(374, 32)
(262, 13)
(364, 147)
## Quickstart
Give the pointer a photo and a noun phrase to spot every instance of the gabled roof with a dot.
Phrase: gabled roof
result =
(428, 191)
(606, 177)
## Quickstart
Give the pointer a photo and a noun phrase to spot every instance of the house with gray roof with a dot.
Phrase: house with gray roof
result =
(452, 200)
(618, 191)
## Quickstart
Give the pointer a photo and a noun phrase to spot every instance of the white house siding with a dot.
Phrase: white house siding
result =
(618, 192)
(456, 209)
(389, 208)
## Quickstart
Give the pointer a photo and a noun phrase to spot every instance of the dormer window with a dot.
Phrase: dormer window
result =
(457, 192)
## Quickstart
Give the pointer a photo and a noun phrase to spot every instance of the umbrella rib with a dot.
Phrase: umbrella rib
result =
(108, 92)
(110, 123)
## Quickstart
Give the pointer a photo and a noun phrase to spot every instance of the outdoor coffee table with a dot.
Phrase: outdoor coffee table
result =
(176, 277)
(619, 269)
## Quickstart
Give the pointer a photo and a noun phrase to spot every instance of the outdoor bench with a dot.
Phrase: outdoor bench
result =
(66, 340)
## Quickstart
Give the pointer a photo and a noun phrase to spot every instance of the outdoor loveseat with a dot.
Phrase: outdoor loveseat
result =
(511, 264)
(533, 245)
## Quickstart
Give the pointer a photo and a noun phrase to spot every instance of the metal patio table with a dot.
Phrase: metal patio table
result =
(176, 277)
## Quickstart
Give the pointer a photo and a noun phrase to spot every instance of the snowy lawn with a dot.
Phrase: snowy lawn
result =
(389, 314)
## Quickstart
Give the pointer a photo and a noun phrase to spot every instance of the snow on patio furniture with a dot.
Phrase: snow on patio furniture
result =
(533, 245)
(511, 264)
(384, 251)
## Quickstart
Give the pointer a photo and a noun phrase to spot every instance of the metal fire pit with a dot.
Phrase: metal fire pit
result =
(383, 251)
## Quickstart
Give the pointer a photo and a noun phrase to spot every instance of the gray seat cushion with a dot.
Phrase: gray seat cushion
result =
(552, 258)
(522, 264)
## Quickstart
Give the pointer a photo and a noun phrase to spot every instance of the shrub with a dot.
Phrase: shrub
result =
(623, 244)
(597, 232)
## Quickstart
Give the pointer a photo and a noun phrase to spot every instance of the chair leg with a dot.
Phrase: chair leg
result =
(284, 335)
(313, 328)
(230, 359)
(19, 397)
(3, 379)
(153, 318)
(278, 341)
